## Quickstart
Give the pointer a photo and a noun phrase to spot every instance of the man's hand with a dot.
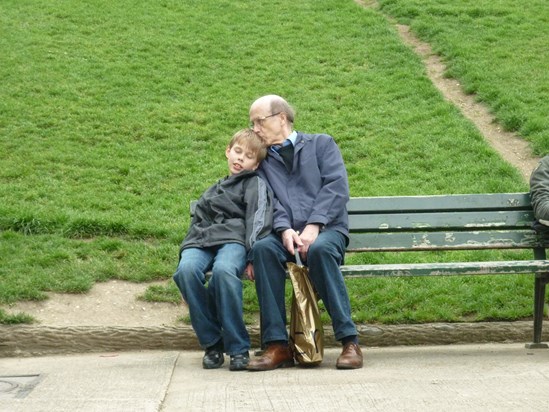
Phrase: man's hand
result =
(249, 271)
(308, 237)
(290, 238)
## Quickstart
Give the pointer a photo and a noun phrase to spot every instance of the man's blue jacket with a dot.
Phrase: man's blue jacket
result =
(316, 190)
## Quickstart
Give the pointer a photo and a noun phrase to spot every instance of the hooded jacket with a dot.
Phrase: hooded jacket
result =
(236, 209)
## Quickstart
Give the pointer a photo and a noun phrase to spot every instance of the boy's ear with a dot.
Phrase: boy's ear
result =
(227, 151)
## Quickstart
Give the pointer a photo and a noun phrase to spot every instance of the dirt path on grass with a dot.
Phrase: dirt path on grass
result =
(112, 303)
(512, 148)
(115, 303)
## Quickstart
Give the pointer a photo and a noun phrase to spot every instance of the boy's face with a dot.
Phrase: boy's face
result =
(240, 158)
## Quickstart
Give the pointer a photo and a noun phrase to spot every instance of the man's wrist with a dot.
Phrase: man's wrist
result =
(281, 230)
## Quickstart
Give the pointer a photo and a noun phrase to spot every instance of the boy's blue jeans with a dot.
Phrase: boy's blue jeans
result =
(215, 308)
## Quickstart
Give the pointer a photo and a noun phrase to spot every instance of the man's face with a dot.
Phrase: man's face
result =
(266, 124)
(240, 158)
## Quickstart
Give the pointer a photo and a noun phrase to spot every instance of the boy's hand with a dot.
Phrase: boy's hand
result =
(249, 271)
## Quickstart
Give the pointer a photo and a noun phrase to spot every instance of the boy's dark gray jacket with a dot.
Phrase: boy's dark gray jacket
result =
(237, 209)
(315, 191)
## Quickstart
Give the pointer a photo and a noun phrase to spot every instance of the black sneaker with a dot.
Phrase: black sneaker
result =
(213, 359)
(239, 362)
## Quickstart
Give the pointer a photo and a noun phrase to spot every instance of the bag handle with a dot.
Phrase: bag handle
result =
(298, 259)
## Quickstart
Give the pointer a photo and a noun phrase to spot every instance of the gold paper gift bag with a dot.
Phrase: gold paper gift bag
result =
(306, 332)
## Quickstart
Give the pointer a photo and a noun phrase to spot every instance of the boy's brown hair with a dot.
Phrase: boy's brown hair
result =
(250, 140)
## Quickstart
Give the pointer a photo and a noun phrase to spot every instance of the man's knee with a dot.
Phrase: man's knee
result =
(321, 248)
(324, 248)
(263, 247)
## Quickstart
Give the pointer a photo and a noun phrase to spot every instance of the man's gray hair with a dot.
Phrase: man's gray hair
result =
(278, 105)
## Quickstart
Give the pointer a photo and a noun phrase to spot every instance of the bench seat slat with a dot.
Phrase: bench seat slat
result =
(448, 269)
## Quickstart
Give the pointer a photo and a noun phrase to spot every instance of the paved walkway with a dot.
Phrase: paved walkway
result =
(471, 377)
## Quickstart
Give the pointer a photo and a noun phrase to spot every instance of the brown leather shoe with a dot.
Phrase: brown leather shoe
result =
(275, 356)
(350, 358)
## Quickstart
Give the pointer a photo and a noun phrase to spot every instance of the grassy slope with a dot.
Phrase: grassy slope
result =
(497, 49)
(114, 115)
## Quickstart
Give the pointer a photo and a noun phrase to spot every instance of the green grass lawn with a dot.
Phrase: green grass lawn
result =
(115, 115)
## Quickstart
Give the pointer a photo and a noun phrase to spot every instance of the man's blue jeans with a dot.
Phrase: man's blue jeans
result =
(215, 308)
(324, 258)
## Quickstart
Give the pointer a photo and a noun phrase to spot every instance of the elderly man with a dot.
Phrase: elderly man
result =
(308, 178)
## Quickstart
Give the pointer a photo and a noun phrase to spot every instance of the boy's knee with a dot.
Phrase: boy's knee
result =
(183, 269)
(187, 272)
(224, 269)
(178, 272)
(179, 282)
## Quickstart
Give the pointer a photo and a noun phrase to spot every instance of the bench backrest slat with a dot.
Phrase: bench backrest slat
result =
(439, 203)
(442, 222)
(461, 220)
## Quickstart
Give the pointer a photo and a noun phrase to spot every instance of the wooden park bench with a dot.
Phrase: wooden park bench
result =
(450, 222)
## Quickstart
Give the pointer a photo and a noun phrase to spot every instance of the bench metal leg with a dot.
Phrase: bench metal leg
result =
(539, 303)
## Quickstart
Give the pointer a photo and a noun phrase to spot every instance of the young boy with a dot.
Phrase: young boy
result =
(229, 217)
